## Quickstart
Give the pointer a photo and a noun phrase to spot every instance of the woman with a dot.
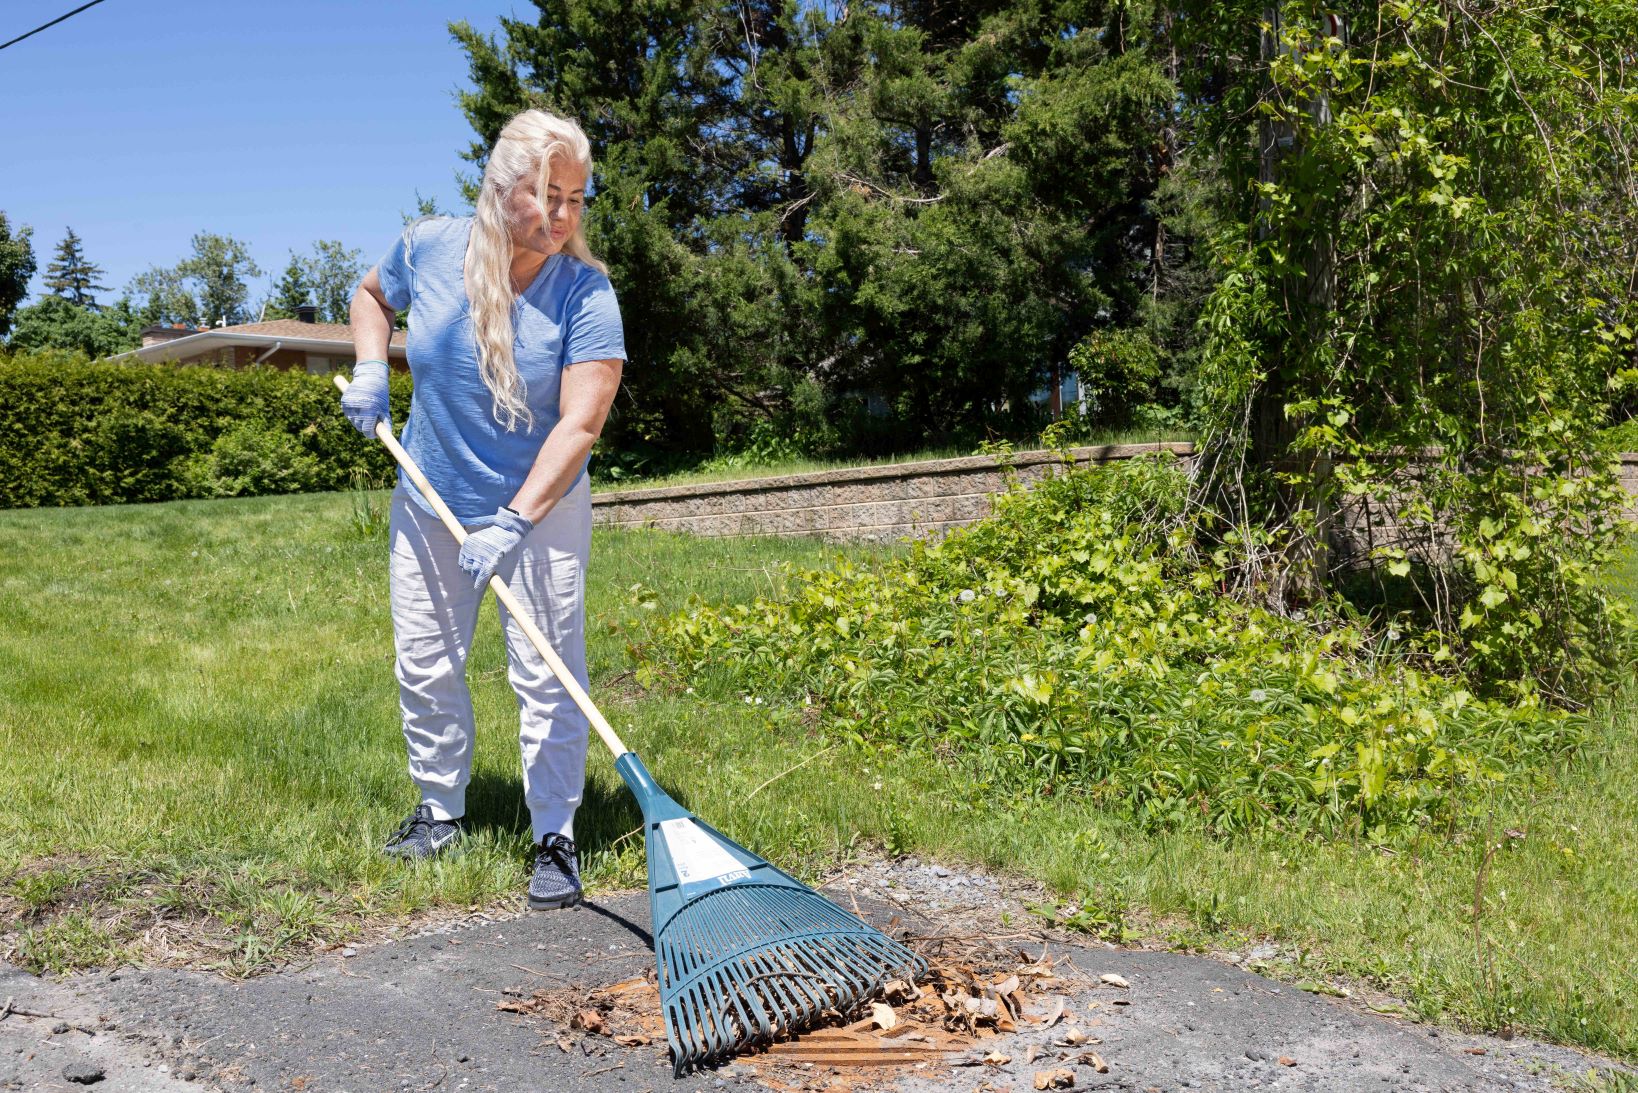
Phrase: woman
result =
(516, 348)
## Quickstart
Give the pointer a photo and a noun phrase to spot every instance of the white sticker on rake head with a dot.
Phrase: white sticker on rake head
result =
(697, 856)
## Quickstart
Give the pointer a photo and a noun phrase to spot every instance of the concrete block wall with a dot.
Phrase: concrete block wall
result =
(880, 503)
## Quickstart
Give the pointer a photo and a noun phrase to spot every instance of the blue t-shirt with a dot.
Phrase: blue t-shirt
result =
(567, 315)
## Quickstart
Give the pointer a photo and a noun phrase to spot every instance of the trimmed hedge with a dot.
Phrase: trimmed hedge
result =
(74, 432)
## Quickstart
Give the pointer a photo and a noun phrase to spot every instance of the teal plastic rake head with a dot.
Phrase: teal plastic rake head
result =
(746, 952)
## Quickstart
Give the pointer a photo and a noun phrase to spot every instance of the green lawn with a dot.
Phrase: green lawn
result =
(203, 754)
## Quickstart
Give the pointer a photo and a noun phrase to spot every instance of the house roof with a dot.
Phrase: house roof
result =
(330, 338)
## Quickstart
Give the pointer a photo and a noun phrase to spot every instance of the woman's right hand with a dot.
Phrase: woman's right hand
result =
(365, 400)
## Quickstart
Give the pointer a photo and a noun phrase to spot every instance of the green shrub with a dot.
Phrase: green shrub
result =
(1118, 370)
(1076, 642)
(74, 432)
(250, 460)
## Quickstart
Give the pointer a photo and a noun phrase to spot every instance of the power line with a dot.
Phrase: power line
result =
(47, 26)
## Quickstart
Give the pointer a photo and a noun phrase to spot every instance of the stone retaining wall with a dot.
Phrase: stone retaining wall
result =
(879, 503)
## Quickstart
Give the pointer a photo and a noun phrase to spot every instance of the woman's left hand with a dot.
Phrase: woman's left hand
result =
(489, 546)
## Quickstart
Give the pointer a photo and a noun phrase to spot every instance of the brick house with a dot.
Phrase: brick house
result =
(300, 343)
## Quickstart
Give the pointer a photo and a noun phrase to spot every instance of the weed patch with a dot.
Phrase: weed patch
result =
(1076, 643)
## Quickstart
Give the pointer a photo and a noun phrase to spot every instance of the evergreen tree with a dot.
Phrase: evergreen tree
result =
(16, 267)
(293, 290)
(924, 203)
(72, 276)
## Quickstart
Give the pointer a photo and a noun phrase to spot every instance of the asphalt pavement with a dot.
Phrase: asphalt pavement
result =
(423, 1012)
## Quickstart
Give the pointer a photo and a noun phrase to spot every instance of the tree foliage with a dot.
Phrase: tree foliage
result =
(72, 275)
(868, 227)
(16, 267)
(217, 269)
(293, 290)
(209, 286)
(163, 296)
(1424, 305)
(56, 322)
(334, 272)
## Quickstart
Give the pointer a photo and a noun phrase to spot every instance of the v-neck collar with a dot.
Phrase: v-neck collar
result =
(534, 283)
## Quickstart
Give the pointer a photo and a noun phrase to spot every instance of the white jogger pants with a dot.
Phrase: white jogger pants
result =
(434, 611)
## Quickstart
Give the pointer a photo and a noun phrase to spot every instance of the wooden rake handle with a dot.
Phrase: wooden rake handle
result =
(502, 593)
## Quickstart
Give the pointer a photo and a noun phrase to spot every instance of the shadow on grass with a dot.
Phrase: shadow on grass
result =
(494, 805)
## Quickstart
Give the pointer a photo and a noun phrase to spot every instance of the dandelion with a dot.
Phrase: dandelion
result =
(747, 700)
(1393, 635)
(1298, 616)
(689, 691)
(967, 595)
(1258, 695)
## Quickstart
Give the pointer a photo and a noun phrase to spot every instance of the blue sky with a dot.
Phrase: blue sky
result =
(140, 122)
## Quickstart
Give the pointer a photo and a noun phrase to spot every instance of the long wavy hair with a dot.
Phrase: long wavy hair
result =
(524, 151)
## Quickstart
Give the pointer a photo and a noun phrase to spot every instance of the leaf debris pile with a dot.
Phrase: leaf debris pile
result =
(946, 1019)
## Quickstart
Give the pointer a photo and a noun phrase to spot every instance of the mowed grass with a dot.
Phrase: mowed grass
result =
(203, 754)
(202, 750)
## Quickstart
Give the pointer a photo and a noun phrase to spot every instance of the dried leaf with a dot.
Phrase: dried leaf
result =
(1095, 1061)
(631, 1040)
(882, 1016)
(1072, 1037)
(627, 986)
(1054, 1079)
(897, 990)
(1474, 1050)
(510, 1006)
(1054, 1012)
(1114, 980)
(591, 1021)
(1030, 1053)
(1286, 1060)
(565, 1044)
(1121, 1001)
(1004, 987)
(995, 1058)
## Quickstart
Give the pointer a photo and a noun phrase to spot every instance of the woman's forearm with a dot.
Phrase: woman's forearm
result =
(588, 391)
(554, 470)
(372, 321)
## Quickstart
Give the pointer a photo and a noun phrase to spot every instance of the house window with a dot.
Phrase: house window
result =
(320, 366)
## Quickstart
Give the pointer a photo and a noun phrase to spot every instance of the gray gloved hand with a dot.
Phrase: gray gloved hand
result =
(486, 548)
(365, 400)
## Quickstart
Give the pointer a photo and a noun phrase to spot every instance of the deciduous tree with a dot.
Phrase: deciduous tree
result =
(16, 268)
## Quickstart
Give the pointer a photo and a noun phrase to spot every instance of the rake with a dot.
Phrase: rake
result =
(746, 953)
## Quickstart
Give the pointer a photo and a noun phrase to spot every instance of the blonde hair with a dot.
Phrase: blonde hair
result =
(525, 150)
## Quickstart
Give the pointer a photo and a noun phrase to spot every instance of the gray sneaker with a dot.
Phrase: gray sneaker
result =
(421, 837)
(556, 879)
